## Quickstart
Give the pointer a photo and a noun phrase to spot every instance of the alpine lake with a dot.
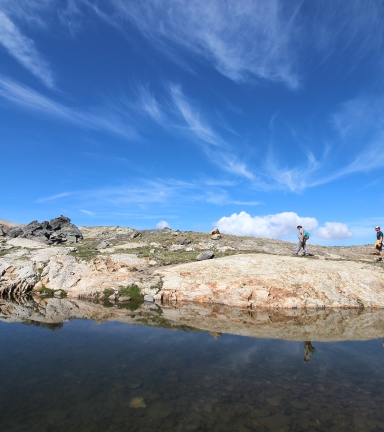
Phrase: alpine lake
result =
(72, 365)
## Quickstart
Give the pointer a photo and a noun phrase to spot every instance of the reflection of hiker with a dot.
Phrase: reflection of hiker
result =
(303, 237)
(379, 243)
(309, 351)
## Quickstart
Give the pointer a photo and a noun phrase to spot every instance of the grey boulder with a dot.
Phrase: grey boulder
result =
(102, 245)
(58, 230)
(15, 232)
(205, 255)
(59, 222)
(185, 241)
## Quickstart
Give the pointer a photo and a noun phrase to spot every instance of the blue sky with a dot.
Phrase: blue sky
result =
(247, 115)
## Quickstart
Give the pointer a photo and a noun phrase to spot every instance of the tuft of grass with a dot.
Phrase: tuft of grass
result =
(132, 291)
(6, 251)
(47, 291)
(108, 292)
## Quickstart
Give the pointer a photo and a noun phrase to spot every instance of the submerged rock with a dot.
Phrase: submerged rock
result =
(159, 409)
(137, 402)
(276, 421)
(300, 404)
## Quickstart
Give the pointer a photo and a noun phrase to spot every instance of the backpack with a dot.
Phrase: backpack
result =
(306, 235)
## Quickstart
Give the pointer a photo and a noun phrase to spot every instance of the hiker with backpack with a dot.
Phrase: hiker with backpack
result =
(303, 237)
(379, 243)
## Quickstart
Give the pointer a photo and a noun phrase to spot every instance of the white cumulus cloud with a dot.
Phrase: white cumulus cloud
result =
(270, 226)
(162, 224)
(334, 231)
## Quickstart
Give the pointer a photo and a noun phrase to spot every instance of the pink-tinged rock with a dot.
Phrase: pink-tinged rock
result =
(268, 281)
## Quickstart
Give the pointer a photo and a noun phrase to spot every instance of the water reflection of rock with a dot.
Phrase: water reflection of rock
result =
(320, 325)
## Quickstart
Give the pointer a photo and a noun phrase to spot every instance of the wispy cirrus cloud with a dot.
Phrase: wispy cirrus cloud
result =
(87, 212)
(358, 118)
(250, 39)
(24, 50)
(144, 194)
(218, 150)
(296, 178)
(100, 118)
(55, 197)
(354, 27)
(192, 117)
(245, 41)
(33, 13)
(145, 104)
(148, 103)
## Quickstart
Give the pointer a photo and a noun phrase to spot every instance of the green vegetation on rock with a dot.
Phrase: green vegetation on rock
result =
(132, 291)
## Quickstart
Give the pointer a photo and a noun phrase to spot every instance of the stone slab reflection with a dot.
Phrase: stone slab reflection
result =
(304, 325)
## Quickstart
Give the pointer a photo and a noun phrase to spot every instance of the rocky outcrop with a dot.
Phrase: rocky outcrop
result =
(265, 281)
(20, 271)
(88, 279)
(108, 259)
(33, 268)
(56, 231)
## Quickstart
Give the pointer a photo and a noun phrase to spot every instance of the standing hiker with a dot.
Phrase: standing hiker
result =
(303, 237)
(379, 243)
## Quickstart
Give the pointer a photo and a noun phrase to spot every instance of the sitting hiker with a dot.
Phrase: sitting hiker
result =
(303, 237)
(379, 243)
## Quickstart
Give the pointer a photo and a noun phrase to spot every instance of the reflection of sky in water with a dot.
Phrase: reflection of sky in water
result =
(112, 377)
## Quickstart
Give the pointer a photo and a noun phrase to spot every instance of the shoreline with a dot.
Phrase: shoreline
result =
(246, 272)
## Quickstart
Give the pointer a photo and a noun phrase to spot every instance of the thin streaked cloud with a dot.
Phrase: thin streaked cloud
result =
(99, 118)
(55, 197)
(24, 50)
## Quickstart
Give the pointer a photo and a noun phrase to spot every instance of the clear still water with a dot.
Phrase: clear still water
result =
(84, 376)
